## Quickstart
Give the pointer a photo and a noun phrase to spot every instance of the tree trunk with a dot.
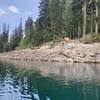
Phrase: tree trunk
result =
(97, 15)
(92, 18)
(79, 30)
(85, 17)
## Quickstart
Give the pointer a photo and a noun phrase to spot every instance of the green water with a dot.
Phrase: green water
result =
(49, 81)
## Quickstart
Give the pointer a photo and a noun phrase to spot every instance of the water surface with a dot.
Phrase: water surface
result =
(49, 81)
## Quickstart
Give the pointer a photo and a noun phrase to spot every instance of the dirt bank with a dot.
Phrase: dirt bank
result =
(73, 51)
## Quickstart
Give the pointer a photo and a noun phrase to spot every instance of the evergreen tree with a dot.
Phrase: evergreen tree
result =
(1, 43)
(60, 18)
(5, 33)
(51, 20)
(43, 24)
(16, 36)
(29, 30)
(57, 17)
(4, 36)
(73, 18)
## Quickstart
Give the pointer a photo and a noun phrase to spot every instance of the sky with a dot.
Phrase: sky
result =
(11, 11)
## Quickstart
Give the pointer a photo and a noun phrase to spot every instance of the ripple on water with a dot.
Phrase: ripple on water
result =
(64, 83)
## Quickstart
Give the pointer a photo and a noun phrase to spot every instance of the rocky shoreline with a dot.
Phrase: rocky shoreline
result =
(73, 51)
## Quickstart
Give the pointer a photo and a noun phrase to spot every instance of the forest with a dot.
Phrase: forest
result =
(76, 19)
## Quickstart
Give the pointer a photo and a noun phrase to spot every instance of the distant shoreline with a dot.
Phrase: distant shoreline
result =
(73, 51)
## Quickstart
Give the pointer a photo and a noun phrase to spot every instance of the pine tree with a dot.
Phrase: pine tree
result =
(4, 36)
(57, 17)
(51, 20)
(29, 30)
(16, 36)
(5, 33)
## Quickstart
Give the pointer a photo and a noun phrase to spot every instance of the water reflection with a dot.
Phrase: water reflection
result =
(49, 81)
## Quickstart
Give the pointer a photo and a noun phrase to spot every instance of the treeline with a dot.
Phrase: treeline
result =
(72, 18)
(57, 19)
(9, 41)
(19, 38)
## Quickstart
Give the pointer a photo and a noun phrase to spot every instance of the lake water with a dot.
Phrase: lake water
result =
(49, 81)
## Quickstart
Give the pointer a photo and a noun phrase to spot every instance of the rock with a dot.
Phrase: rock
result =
(72, 51)
(70, 46)
(97, 58)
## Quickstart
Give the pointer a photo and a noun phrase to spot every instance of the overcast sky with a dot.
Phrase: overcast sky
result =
(12, 10)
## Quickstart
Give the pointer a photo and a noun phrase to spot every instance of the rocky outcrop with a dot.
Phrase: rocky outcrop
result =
(73, 51)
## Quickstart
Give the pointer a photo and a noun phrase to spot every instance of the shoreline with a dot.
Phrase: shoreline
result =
(73, 51)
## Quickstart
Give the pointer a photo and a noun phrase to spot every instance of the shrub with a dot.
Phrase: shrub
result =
(90, 38)
(87, 39)
(7, 47)
(96, 37)
(22, 45)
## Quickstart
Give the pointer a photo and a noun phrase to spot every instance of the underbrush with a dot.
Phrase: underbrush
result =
(90, 38)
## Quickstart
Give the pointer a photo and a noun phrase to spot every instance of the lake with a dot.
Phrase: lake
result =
(24, 80)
